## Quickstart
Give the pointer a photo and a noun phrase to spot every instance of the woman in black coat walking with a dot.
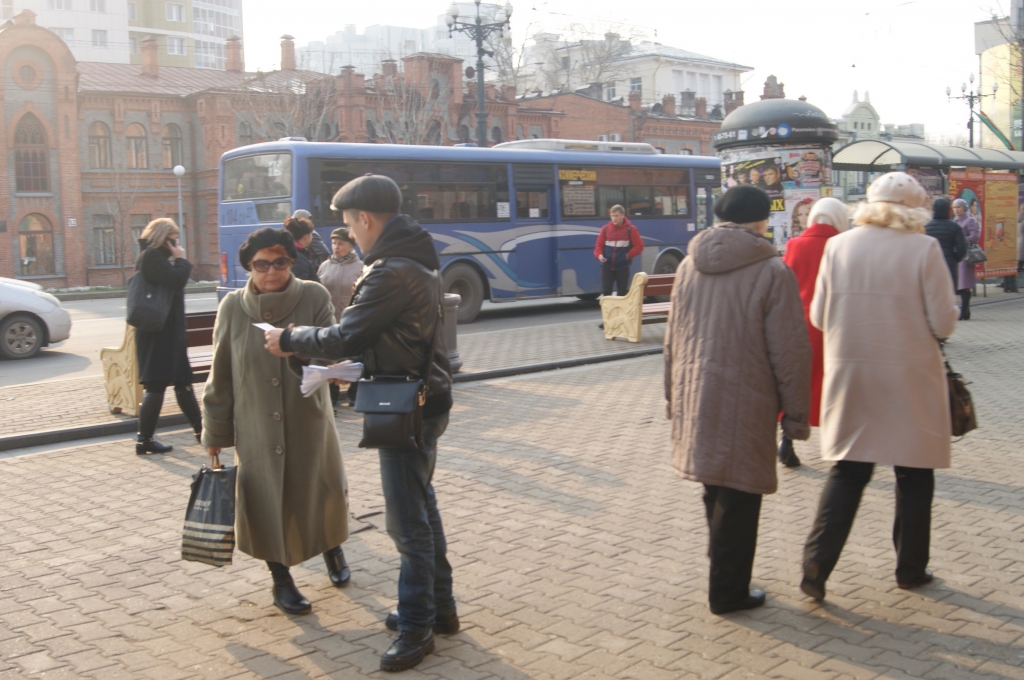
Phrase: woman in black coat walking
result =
(163, 355)
(301, 230)
(949, 235)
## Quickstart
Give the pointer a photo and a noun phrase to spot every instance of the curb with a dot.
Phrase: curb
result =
(46, 437)
(110, 294)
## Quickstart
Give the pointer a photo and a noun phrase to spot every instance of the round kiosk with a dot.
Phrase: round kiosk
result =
(783, 146)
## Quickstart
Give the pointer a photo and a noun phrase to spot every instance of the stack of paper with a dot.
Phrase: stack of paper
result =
(314, 376)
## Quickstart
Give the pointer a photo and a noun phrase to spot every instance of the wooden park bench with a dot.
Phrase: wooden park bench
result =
(625, 315)
(121, 371)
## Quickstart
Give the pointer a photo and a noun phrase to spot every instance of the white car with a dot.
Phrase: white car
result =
(30, 319)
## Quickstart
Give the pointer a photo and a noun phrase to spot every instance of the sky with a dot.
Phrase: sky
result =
(904, 52)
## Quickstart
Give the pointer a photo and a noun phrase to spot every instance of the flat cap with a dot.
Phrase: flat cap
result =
(372, 193)
(342, 234)
(743, 204)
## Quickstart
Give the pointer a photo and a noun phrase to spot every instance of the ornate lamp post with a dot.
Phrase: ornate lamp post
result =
(971, 98)
(479, 31)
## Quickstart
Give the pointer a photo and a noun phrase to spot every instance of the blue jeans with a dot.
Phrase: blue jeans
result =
(414, 524)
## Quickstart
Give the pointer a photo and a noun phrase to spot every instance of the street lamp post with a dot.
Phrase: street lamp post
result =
(971, 98)
(179, 172)
(479, 32)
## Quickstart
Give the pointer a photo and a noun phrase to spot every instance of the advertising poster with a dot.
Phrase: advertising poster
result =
(999, 231)
(931, 179)
(970, 186)
(793, 177)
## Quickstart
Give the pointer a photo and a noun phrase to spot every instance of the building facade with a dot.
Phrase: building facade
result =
(999, 44)
(90, 147)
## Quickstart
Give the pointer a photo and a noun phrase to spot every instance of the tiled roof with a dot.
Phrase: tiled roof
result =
(174, 81)
(650, 49)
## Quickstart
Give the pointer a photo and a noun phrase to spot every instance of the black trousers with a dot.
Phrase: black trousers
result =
(965, 303)
(618, 277)
(732, 522)
(911, 531)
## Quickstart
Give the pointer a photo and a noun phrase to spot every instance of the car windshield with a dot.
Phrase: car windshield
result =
(253, 177)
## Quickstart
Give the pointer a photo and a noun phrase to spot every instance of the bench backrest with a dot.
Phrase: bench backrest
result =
(659, 284)
(199, 328)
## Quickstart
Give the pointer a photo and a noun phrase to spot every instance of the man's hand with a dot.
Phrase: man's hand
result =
(273, 338)
(602, 258)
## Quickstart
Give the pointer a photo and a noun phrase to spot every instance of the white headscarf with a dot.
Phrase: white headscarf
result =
(830, 211)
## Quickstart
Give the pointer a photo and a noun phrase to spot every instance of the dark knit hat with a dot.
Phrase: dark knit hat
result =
(941, 208)
(342, 234)
(372, 193)
(743, 204)
(267, 237)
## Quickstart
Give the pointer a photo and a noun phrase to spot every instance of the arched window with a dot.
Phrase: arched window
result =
(135, 147)
(99, 145)
(35, 236)
(31, 156)
(497, 135)
(172, 146)
(244, 134)
(434, 134)
(371, 132)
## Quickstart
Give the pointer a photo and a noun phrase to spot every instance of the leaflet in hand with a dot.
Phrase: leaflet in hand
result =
(314, 376)
(264, 326)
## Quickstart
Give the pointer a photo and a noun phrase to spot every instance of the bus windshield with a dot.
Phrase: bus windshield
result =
(254, 177)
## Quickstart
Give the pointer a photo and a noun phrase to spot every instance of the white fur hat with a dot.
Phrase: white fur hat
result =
(830, 211)
(897, 187)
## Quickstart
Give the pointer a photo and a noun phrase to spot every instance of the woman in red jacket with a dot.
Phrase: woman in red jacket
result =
(803, 255)
(617, 244)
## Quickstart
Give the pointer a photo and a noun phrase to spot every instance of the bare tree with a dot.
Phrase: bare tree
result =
(587, 56)
(515, 64)
(116, 239)
(409, 112)
(1003, 30)
(287, 104)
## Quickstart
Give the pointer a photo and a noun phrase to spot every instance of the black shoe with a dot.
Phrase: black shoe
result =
(787, 456)
(287, 597)
(407, 650)
(751, 601)
(148, 446)
(813, 585)
(927, 578)
(446, 623)
(337, 567)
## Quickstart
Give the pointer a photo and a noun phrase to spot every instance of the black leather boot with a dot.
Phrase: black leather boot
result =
(190, 407)
(407, 650)
(445, 623)
(287, 597)
(149, 412)
(337, 567)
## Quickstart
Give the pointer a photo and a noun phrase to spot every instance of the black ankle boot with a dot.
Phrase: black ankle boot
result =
(787, 455)
(287, 597)
(190, 407)
(407, 650)
(149, 412)
(337, 567)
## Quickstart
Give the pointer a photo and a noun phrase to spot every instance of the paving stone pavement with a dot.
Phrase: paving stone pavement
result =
(577, 554)
(83, 401)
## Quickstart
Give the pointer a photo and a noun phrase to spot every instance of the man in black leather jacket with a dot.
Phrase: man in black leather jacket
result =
(391, 324)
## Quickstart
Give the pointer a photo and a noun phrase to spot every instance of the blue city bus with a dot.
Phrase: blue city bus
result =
(509, 223)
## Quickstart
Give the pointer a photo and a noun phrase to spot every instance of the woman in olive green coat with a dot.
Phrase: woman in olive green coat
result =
(291, 497)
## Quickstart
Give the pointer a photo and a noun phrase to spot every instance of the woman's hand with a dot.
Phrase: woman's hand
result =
(273, 338)
(177, 252)
(214, 452)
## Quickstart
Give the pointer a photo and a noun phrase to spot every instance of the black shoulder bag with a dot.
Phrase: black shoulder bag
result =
(961, 406)
(148, 304)
(392, 405)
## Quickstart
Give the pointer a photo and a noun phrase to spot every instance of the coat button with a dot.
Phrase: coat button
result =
(277, 416)
(275, 382)
(279, 450)
(266, 315)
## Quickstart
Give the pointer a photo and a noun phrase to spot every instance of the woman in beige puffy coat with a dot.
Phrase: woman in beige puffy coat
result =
(736, 356)
(884, 301)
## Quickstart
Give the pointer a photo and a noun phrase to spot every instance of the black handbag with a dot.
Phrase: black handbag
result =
(209, 532)
(975, 255)
(149, 304)
(392, 406)
(961, 406)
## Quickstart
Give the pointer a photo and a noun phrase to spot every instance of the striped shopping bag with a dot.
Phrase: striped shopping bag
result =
(209, 533)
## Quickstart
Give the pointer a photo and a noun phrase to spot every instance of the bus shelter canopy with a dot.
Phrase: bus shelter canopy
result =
(873, 155)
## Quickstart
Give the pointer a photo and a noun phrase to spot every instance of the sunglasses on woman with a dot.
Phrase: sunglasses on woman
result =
(279, 264)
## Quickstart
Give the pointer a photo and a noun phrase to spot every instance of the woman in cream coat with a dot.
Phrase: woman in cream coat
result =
(884, 300)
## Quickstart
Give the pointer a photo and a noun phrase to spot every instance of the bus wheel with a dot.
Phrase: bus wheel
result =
(464, 281)
(667, 264)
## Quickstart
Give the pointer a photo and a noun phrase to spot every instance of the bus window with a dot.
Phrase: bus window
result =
(607, 197)
(638, 201)
(532, 203)
(703, 207)
(273, 212)
(253, 177)
(454, 202)
(670, 201)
